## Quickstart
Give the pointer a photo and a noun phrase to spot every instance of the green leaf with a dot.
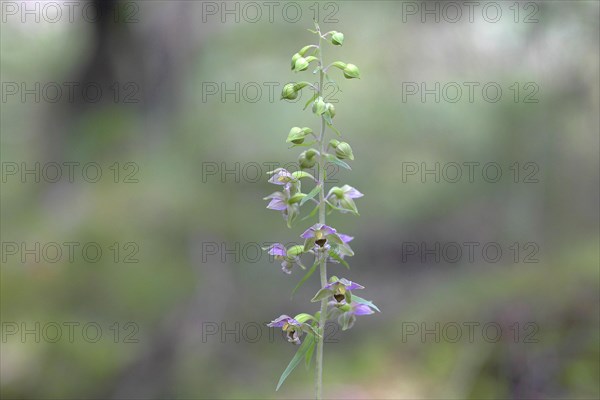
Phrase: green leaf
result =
(344, 320)
(347, 320)
(348, 296)
(322, 294)
(296, 198)
(333, 128)
(303, 317)
(308, 342)
(292, 216)
(349, 204)
(305, 277)
(334, 160)
(327, 118)
(314, 96)
(309, 354)
(302, 174)
(342, 209)
(345, 250)
(339, 259)
(307, 144)
(312, 213)
(360, 300)
(310, 329)
(311, 194)
(309, 244)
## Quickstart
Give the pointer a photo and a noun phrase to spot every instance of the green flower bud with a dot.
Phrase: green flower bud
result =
(338, 192)
(297, 135)
(311, 153)
(351, 71)
(296, 199)
(319, 106)
(337, 38)
(303, 50)
(305, 161)
(289, 92)
(334, 143)
(343, 150)
(301, 64)
(300, 85)
(339, 64)
(330, 109)
(294, 58)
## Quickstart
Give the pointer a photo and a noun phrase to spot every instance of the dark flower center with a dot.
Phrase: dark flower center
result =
(321, 242)
(339, 297)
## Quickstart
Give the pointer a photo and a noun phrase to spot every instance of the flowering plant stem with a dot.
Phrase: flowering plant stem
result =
(324, 242)
(323, 266)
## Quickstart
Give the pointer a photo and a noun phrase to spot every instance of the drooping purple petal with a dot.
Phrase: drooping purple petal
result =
(279, 322)
(277, 204)
(351, 192)
(361, 309)
(345, 238)
(282, 320)
(327, 230)
(350, 285)
(324, 229)
(277, 249)
(281, 177)
(354, 286)
(309, 233)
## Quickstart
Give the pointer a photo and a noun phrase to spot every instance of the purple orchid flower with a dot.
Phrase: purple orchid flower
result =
(341, 250)
(318, 231)
(278, 201)
(282, 201)
(320, 234)
(342, 198)
(342, 289)
(281, 176)
(348, 313)
(277, 250)
(289, 325)
(288, 257)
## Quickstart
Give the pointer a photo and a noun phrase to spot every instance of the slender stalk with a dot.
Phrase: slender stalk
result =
(323, 264)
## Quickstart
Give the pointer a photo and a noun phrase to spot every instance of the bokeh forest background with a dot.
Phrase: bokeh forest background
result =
(168, 59)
